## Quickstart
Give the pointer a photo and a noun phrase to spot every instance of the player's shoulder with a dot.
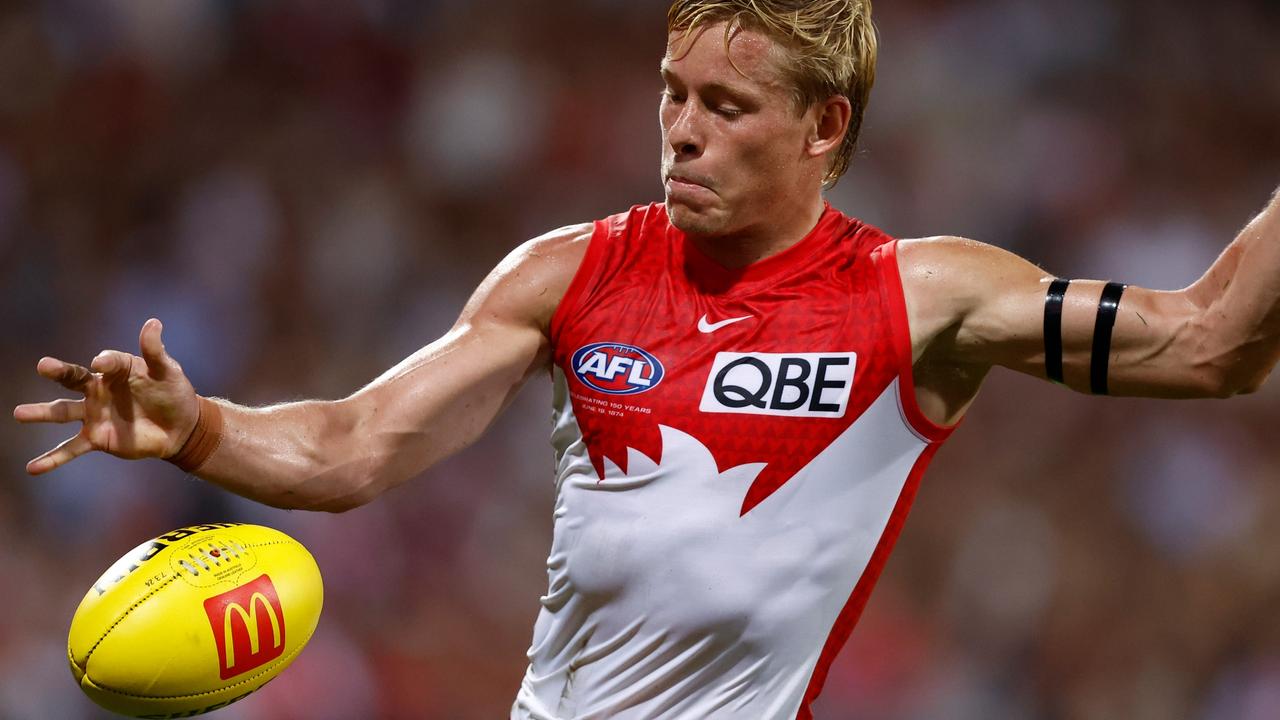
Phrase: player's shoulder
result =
(956, 263)
(527, 285)
(571, 241)
(554, 252)
(946, 277)
(940, 251)
(553, 259)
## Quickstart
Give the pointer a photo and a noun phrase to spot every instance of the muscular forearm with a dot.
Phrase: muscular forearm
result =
(1239, 297)
(338, 455)
(299, 455)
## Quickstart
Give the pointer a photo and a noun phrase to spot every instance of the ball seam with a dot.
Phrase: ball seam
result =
(276, 542)
(286, 541)
(120, 619)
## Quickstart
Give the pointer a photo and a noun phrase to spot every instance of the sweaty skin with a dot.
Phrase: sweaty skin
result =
(743, 170)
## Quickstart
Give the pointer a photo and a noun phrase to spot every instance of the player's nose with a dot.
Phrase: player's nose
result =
(685, 134)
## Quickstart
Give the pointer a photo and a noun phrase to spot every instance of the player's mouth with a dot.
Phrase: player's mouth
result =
(685, 186)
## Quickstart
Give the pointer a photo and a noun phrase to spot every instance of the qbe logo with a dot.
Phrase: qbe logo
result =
(794, 384)
(617, 369)
(248, 626)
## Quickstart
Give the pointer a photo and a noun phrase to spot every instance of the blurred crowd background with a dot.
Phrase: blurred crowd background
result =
(306, 191)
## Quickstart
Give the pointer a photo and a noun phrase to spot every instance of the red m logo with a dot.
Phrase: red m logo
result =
(248, 626)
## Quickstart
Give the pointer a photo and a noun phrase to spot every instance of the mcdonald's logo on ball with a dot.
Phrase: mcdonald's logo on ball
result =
(248, 626)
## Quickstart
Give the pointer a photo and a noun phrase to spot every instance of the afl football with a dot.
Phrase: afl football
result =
(194, 620)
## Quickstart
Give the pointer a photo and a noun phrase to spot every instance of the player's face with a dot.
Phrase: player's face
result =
(733, 150)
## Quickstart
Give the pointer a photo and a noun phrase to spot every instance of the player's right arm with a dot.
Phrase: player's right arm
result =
(330, 455)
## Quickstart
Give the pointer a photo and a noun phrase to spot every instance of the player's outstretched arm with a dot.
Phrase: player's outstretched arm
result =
(330, 455)
(973, 306)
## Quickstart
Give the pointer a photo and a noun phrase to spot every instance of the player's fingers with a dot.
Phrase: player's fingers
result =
(112, 364)
(69, 450)
(68, 375)
(152, 346)
(57, 411)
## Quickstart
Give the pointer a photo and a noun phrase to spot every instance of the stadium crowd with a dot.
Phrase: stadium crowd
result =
(305, 192)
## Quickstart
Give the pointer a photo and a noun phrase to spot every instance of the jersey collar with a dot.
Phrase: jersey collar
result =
(714, 278)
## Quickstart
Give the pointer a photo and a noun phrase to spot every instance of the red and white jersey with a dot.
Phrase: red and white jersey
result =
(736, 453)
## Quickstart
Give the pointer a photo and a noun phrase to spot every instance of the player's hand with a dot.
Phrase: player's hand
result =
(132, 407)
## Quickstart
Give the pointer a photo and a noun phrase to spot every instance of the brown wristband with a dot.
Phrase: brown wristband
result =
(204, 439)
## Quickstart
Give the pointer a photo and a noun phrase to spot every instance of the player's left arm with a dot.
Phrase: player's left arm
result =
(978, 306)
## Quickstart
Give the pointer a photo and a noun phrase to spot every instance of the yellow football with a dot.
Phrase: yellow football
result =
(194, 620)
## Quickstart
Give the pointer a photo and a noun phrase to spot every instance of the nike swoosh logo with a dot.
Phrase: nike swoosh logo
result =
(706, 327)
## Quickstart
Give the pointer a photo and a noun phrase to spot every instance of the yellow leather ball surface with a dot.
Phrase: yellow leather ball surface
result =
(195, 619)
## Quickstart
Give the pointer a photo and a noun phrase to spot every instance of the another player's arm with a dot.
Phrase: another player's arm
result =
(976, 306)
(335, 455)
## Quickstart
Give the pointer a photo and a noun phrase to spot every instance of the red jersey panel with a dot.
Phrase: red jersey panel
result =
(736, 451)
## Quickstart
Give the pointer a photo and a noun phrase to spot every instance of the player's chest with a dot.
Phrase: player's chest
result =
(788, 352)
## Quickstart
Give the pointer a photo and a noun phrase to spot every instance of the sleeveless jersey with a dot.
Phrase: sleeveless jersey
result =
(736, 452)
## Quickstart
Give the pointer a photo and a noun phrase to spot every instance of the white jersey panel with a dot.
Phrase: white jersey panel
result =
(665, 602)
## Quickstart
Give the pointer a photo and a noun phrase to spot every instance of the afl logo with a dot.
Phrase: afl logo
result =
(617, 369)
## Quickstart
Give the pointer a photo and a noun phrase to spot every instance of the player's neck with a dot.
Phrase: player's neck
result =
(754, 243)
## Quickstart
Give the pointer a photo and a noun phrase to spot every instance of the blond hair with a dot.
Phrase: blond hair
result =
(832, 46)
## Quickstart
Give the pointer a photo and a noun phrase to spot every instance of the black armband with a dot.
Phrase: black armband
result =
(1108, 306)
(1053, 329)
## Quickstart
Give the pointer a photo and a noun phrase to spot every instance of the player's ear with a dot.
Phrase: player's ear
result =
(829, 121)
